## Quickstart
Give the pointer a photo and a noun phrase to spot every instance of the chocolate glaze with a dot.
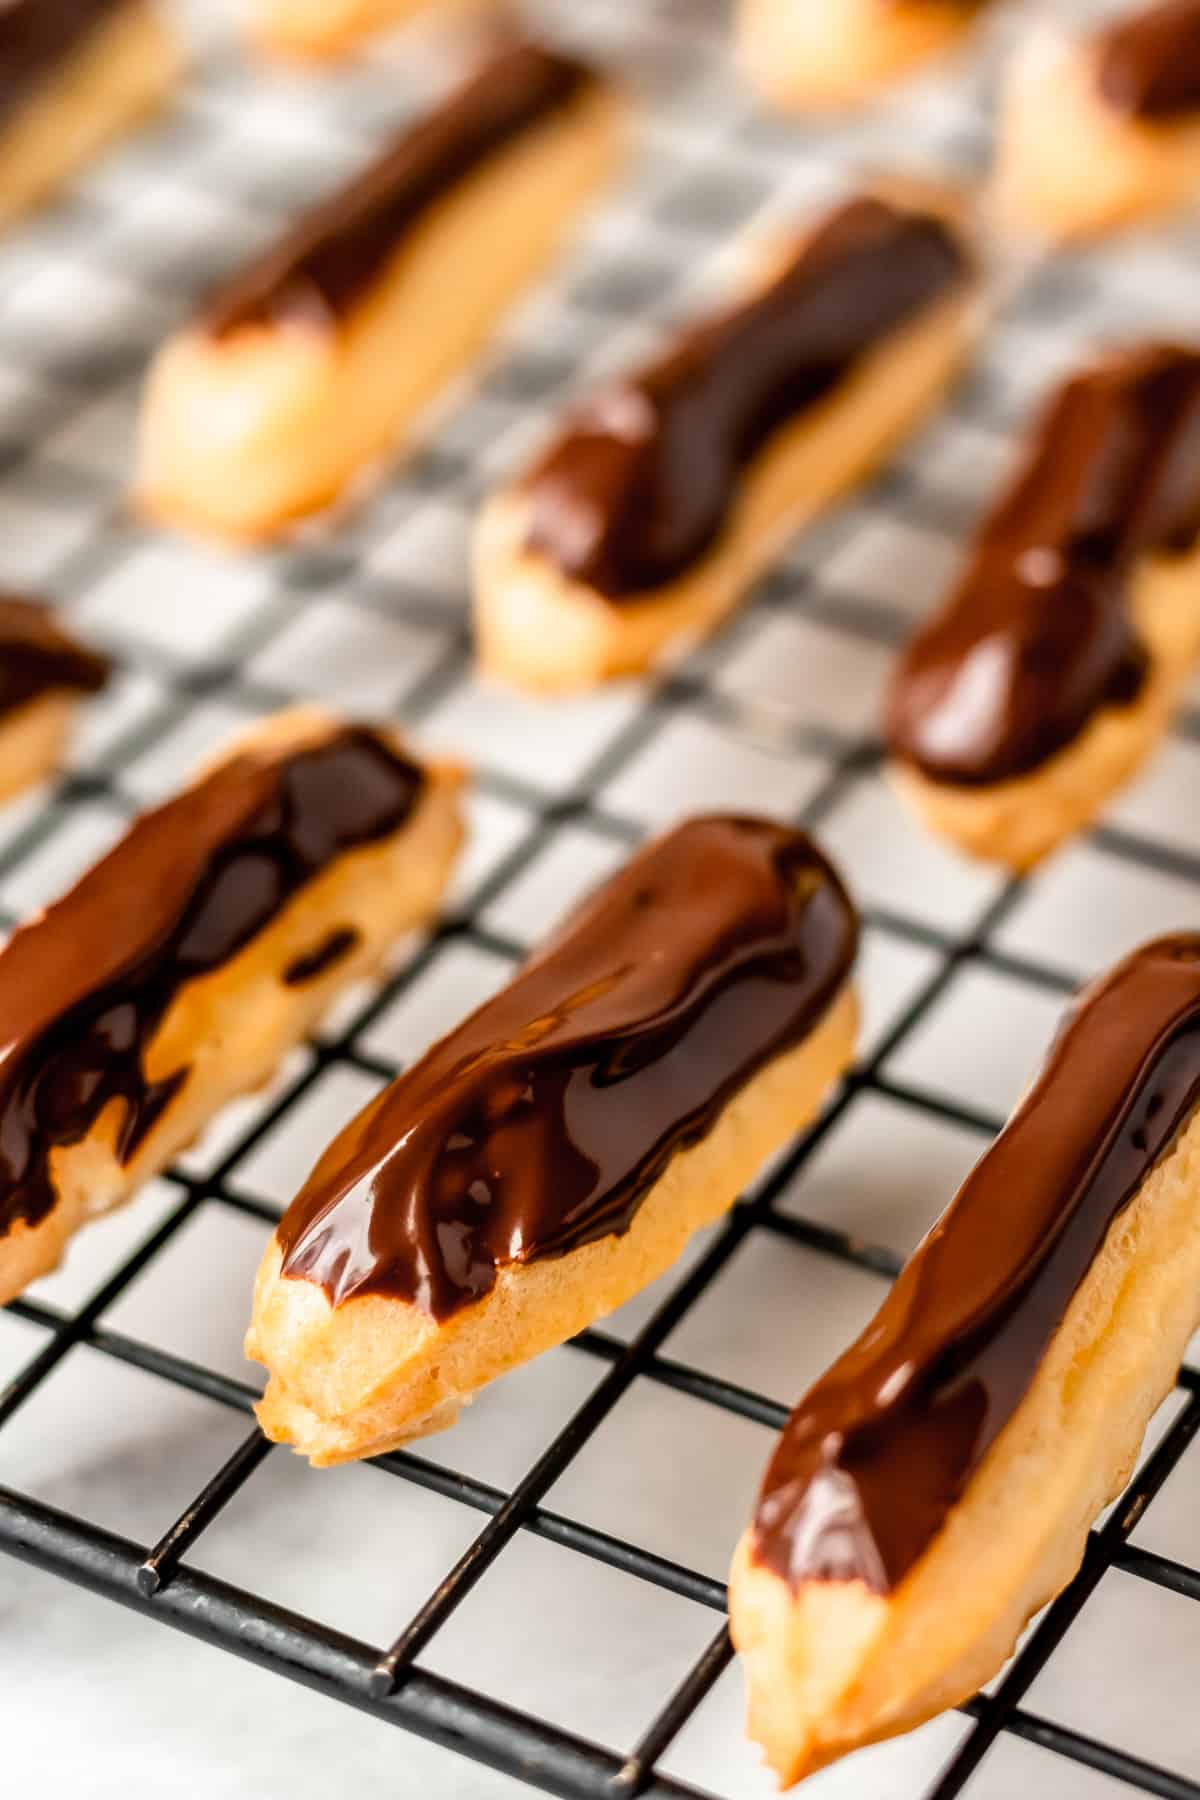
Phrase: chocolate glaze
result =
(323, 265)
(643, 478)
(1148, 65)
(36, 35)
(1037, 637)
(37, 658)
(542, 1122)
(84, 987)
(878, 1452)
(332, 949)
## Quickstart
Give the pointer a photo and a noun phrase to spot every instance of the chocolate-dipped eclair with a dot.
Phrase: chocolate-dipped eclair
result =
(178, 972)
(936, 1487)
(553, 1154)
(317, 361)
(669, 491)
(73, 75)
(45, 676)
(312, 30)
(1051, 672)
(1102, 130)
(811, 55)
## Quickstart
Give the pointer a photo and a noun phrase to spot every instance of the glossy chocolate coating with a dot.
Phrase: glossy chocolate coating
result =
(331, 950)
(85, 986)
(36, 35)
(641, 482)
(322, 267)
(38, 658)
(1148, 64)
(1037, 635)
(877, 1453)
(542, 1122)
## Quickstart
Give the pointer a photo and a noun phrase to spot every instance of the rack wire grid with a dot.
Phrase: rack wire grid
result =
(541, 1590)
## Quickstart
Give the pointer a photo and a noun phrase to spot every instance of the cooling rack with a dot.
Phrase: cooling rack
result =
(630, 1456)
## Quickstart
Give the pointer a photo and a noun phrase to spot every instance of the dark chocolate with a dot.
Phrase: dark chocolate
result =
(542, 1122)
(321, 268)
(644, 476)
(37, 657)
(330, 951)
(1148, 64)
(879, 1451)
(85, 986)
(1037, 636)
(36, 36)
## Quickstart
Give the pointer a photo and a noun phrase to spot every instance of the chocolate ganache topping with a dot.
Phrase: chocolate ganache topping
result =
(35, 35)
(542, 1122)
(1148, 65)
(1037, 636)
(320, 269)
(642, 480)
(84, 987)
(332, 949)
(38, 658)
(878, 1452)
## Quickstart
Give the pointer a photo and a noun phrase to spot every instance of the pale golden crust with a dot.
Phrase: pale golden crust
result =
(125, 69)
(537, 628)
(232, 1028)
(362, 1378)
(814, 55)
(1070, 167)
(1018, 822)
(313, 30)
(833, 1667)
(248, 433)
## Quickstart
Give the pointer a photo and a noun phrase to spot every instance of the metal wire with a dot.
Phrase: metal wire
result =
(706, 171)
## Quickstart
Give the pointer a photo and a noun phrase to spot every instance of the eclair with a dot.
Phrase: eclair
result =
(304, 372)
(669, 491)
(813, 55)
(74, 74)
(1051, 672)
(45, 676)
(189, 960)
(553, 1154)
(311, 30)
(936, 1486)
(1101, 130)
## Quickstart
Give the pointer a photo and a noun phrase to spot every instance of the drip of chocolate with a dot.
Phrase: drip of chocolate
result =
(1037, 636)
(322, 267)
(38, 658)
(37, 35)
(641, 482)
(330, 951)
(85, 986)
(878, 1452)
(1148, 65)
(542, 1122)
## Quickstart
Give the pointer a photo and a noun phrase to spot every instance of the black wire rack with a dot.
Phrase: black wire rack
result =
(89, 289)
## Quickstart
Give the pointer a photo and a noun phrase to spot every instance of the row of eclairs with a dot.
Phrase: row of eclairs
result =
(552, 1154)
